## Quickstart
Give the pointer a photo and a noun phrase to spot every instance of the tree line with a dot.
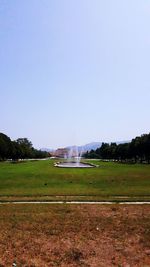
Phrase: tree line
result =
(138, 150)
(21, 148)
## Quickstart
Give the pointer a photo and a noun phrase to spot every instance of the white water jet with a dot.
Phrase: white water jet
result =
(73, 160)
(74, 155)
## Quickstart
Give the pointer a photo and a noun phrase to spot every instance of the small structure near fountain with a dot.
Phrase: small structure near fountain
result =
(73, 160)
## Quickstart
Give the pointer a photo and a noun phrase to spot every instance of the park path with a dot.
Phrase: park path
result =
(77, 202)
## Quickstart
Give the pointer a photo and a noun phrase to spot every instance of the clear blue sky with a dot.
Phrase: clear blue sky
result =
(74, 71)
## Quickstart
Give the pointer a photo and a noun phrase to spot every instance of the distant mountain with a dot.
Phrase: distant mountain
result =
(93, 145)
(47, 149)
(122, 142)
(84, 148)
(88, 147)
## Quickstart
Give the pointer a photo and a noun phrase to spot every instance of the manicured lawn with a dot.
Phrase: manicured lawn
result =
(40, 179)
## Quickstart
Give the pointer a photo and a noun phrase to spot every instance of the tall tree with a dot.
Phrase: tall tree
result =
(5, 147)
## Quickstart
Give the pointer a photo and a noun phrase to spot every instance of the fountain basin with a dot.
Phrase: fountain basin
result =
(74, 165)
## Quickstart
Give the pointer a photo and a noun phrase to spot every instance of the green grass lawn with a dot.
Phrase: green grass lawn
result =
(39, 179)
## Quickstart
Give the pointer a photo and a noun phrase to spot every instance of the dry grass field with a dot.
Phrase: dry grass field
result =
(48, 235)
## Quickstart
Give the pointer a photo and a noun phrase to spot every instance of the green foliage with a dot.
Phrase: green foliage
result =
(20, 149)
(5, 147)
(138, 150)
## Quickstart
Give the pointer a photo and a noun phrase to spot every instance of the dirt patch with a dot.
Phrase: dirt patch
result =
(74, 235)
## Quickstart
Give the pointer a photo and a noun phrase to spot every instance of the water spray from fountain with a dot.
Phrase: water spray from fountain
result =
(74, 155)
(73, 159)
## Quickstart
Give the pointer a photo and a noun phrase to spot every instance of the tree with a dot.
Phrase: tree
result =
(16, 151)
(122, 151)
(104, 151)
(5, 147)
(145, 140)
(25, 147)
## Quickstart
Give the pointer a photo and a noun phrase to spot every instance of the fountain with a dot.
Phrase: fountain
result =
(73, 160)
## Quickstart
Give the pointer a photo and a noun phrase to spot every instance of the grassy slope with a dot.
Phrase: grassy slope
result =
(42, 178)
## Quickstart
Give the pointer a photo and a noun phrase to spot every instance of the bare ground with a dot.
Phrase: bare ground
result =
(46, 235)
